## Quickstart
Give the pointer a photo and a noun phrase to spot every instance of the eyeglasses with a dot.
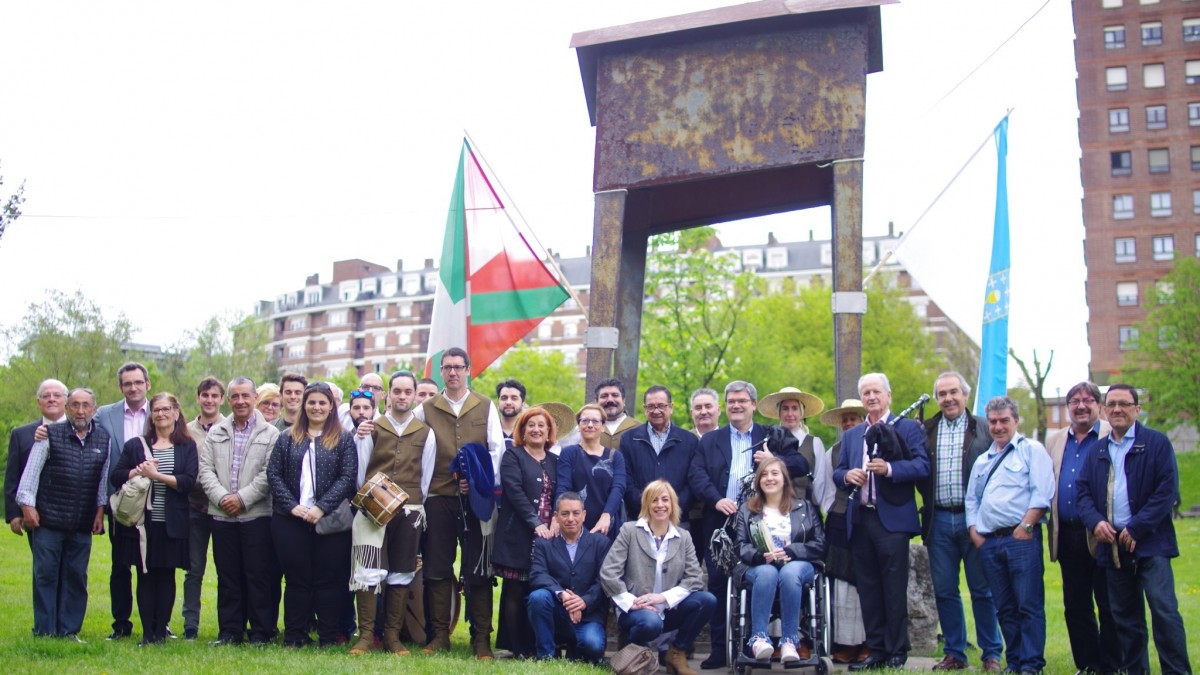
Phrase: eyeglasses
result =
(372, 387)
(453, 369)
(162, 411)
(1081, 401)
(1123, 405)
(271, 404)
(590, 422)
(652, 407)
(359, 393)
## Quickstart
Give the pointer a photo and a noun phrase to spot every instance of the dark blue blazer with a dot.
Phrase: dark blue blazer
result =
(709, 474)
(897, 515)
(1152, 478)
(642, 466)
(552, 569)
(20, 442)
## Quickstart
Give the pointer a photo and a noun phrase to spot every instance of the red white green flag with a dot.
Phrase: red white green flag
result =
(492, 288)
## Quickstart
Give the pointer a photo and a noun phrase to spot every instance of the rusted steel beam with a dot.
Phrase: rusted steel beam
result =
(607, 234)
(631, 291)
(847, 276)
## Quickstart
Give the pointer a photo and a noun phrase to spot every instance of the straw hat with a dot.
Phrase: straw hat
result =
(564, 417)
(769, 405)
(834, 417)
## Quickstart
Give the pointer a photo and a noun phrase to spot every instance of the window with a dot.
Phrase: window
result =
(1116, 78)
(1196, 202)
(1122, 162)
(1191, 30)
(298, 323)
(312, 297)
(1148, 2)
(1198, 246)
(1109, 4)
(1163, 291)
(1164, 247)
(380, 313)
(1126, 249)
(1196, 158)
(1154, 75)
(337, 318)
(1156, 117)
(1160, 204)
(777, 258)
(334, 346)
(1151, 33)
(1191, 72)
(570, 329)
(1114, 37)
(1159, 160)
(1127, 293)
(1194, 114)
(752, 258)
(1118, 119)
(405, 310)
(1127, 336)
(296, 351)
(1122, 207)
(545, 330)
(404, 338)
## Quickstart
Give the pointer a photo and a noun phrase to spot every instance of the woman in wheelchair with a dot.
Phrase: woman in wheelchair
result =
(777, 535)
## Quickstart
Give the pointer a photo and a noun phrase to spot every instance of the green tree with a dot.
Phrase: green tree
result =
(547, 376)
(65, 337)
(786, 339)
(12, 207)
(691, 317)
(225, 346)
(1165, 360)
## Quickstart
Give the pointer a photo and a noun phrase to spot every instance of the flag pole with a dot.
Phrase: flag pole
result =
(546, 256)
(888, 256)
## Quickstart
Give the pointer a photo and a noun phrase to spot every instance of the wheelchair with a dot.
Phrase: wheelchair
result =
(815, 621)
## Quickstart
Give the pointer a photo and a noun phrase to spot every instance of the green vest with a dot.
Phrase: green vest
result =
(399, 456)
(452, 432)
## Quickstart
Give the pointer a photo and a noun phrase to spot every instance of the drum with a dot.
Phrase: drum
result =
(380, 499)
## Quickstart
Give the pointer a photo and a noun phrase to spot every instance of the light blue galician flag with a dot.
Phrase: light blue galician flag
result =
(993, 359)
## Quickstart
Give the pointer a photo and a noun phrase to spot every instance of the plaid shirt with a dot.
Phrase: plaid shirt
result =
(950, 437)
(240, 437)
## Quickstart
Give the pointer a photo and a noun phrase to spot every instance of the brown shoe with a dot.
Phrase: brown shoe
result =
(864, 653)
(805, 650)
(676, 662)
(844, 654)
(366, 622)
(397, 600)
(479, 609)
(950, 663)
(992, 666)
(440, 592)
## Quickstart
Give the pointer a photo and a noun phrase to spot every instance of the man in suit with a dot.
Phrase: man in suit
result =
(724, 458)
(52, 402)
(955, 439)
(123, 420)
(564, 577)
(610, 394)
(881, 518)
(657, 450)
(706, 412)
(1125, 495)
(1095, 649)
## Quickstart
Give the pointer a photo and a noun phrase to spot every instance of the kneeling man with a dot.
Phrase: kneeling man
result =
(566, 598)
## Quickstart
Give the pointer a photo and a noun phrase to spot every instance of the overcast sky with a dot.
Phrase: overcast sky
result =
(185, 158)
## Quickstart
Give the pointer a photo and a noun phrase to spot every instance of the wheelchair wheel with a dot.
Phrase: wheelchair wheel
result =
(733, 626)
(824, 666)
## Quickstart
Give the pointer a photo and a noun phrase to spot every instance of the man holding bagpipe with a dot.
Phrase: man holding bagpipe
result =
(881, 462)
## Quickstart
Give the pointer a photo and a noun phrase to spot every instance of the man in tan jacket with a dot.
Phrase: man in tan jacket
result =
(1083, 581)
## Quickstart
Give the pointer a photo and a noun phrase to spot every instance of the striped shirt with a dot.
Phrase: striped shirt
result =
(240, 437)
(742, 461)
(950, 437)
(158, 491)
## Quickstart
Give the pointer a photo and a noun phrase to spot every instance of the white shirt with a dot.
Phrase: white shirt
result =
(675, 595)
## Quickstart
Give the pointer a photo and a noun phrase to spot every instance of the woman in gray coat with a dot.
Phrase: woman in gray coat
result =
(653, 577)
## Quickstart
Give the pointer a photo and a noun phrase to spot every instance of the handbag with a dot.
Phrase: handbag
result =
(634, 659)
(341, 518)
(129, 504)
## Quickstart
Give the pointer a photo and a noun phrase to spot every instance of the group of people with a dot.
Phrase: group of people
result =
(579, 511)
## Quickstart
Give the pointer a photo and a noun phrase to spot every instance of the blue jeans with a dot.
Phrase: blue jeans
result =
(949, 545)
(789, 580)
(1014, 570)
(550, 620)
(688, 617)
(60, 565)
(1153, 578)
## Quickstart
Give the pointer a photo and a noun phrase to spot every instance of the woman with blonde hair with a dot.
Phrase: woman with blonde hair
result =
(270, 402)
(653, 577)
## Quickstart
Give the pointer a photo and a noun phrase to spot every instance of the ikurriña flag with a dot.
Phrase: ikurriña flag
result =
(492, 288)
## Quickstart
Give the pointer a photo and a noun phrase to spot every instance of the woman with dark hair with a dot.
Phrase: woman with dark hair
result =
(653, 577)
(597, 473)
(527, 474)
(166, 455)
(777, 535)
(311, 472)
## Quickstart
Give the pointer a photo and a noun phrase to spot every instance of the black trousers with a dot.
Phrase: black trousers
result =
(1094, 650)
(247, 579)
(155, 599)
(881, 563)
(316, 571)
(120, 588)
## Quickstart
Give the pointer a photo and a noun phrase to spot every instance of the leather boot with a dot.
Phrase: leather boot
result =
(676, 662)
(366, 622)
(440, 591)
(397, 598)
(479, 609)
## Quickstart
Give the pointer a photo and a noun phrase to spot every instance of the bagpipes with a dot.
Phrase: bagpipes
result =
(883, 441)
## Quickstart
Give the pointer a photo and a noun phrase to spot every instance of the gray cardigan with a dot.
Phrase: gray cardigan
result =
(629, 565)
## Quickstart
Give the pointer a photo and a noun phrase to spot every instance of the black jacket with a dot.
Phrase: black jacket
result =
(334, 480)
(808, 536)
(20, 442)
(521, 479)
(187, 465)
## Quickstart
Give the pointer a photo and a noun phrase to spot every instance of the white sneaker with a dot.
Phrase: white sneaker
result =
(788, 653)
(761, 649)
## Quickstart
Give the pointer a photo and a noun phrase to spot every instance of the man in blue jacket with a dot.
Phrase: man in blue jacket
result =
(657, 450)
(564, 576)
(1134, 535)
(881, 517)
